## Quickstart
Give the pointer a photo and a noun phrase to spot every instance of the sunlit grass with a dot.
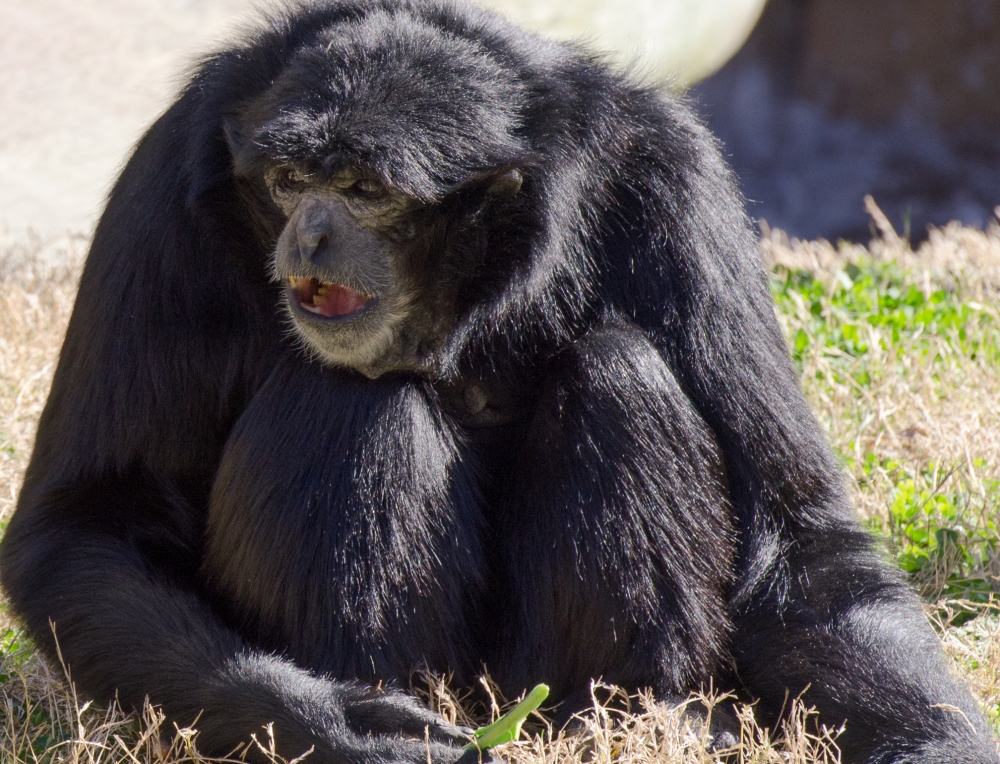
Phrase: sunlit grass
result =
(882, 350)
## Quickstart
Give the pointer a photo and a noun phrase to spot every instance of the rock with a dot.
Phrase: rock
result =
(680, 41)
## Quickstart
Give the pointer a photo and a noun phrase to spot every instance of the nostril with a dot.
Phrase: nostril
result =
(313, 245)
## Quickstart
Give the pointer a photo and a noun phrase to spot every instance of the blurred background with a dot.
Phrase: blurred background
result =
(817, 102)
(833, 99)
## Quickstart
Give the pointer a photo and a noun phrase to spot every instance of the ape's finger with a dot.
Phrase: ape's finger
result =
(414, 752)
(399, 714)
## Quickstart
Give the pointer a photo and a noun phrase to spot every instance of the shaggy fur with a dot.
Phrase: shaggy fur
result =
(216, 520)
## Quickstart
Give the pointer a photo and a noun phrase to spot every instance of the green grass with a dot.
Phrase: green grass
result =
(873, 305)
(41, 732)
(872, 324)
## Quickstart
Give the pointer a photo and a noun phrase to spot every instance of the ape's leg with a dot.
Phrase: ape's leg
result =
(832, 622)
(345, 528)
(616, 529)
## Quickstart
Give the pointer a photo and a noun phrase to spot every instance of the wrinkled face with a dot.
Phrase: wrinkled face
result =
(375, 262)
(345, 255)
(365, 287)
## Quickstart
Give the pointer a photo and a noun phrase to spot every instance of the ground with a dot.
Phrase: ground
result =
(82, 80)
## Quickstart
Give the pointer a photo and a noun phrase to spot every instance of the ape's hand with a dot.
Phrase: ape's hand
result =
(367, 711)
(340, 721)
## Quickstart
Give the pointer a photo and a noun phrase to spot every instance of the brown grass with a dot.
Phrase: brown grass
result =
(947, 416)
(638, 730)
(37, 286)
(937, 413)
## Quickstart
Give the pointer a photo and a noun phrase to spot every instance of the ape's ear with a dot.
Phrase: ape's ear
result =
(507, 183)
(502, 183)
(212, 158)
(246, 159)
(233, 132)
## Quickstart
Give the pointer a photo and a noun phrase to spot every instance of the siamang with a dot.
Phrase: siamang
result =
(411, 340)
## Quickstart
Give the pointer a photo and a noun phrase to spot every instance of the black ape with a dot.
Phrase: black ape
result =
(409, 339)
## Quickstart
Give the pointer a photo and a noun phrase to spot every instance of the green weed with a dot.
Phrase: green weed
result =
(865, 327)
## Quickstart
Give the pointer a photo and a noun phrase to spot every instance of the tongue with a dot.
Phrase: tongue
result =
(339, 301)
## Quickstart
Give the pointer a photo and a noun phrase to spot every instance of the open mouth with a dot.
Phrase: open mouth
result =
(327, 298)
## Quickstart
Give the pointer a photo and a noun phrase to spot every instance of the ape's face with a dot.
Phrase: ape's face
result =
(349, 255)
(371, 281)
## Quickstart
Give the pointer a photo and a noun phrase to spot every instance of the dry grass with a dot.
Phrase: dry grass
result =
(37, 286)
(42, 720)
(638, 730)
(933, 414)
(931, 409)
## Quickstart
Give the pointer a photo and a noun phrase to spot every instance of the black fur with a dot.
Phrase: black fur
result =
(214, 520)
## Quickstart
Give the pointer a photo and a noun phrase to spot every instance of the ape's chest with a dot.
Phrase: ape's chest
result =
(345, 528)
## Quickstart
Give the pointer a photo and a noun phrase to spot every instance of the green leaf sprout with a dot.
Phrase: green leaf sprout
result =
(508, 726)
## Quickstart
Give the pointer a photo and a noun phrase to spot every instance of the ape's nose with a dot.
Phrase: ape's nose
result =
(314, 233)
(312, 244)
(323, 239)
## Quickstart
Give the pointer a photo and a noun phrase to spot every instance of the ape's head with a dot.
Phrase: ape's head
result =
(389, 150)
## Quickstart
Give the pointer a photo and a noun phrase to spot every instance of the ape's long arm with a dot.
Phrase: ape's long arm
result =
(172, 330)
(817, 609)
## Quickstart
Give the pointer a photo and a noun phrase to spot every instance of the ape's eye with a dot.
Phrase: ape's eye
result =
(368, 188)
(287, 179)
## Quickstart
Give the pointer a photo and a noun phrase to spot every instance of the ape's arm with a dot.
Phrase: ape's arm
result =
(815, 604)
(106, 563)
(172, 322)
